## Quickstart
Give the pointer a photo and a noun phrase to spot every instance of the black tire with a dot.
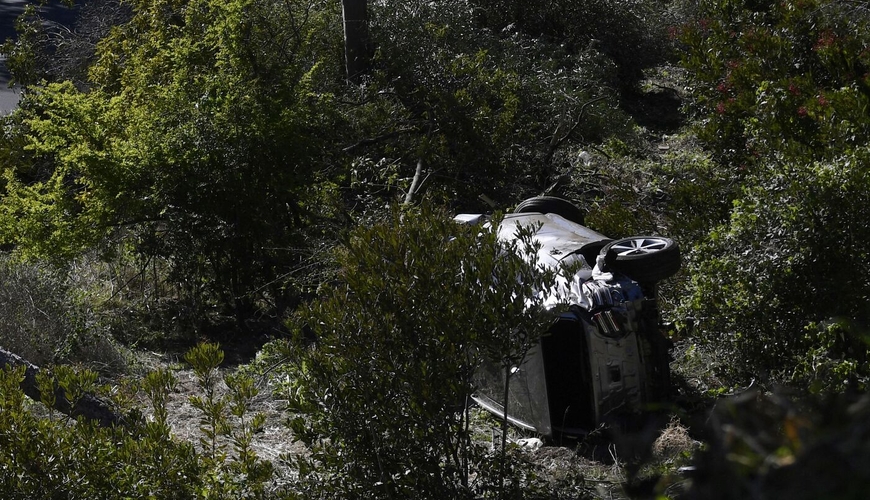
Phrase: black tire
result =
(645, 259)
(552, 205)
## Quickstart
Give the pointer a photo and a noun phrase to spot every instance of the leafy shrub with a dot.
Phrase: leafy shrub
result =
(200, 150)
(419, 303)
(486, 110)
(779, 78)
(699, 191)
(217, 139)
(55, 458)
(677, 191)
(781, 88)
(783, 286)
(238, 473)
(47, 455)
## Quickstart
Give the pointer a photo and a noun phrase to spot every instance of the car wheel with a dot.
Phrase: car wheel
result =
(551, 205)
(645, 259)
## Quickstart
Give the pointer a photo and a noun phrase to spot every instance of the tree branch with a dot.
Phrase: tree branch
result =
(555, 143)
(415, 183)
(379, 138)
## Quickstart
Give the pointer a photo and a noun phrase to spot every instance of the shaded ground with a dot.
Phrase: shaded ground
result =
(657, 103)
(601, 465)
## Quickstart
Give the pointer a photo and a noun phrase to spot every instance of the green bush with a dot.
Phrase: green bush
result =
(219, 142)
(781, 92)
(51, 457)
(237, 473)
(487, 111)
(779, 78)
(783, 286)
(419, 303)
(197, 142)
(44, 454)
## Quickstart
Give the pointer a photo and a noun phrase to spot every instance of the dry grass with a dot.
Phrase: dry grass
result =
(271, 444)
(674, 442)
(275, 439)
(594, 469)
(45, 320)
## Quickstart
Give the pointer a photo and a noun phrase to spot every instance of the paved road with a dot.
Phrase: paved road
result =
(9, 11)
(8, 96)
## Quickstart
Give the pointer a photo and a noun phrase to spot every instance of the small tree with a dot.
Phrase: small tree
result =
(420, 302)
(204, 142)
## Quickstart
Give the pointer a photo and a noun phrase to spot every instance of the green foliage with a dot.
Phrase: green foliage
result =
(205, 359)
(699, 192)
(485, 111)
(834, 362)
(781, 95)
(241, 474)
(46, 51)
(780, 78)
(44, 456)
(56, 214)
(26, 55)
(790, 261)
(219, 142)
(619, 214)
(674, 190)
(419, 303)
(53, 458)
(196, 141)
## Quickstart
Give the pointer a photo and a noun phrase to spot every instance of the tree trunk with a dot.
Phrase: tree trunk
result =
(88, 406)
(415, 183)
(356, 38)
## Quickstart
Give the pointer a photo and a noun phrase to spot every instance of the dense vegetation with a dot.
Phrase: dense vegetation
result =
(783, 92)
(181, 170)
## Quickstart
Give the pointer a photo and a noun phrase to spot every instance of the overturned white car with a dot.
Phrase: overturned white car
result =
(606, 357)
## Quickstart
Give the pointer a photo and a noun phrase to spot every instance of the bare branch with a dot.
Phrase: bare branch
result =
(555, 143)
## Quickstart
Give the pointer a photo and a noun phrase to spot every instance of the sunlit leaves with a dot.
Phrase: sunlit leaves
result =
(770, 79)
(792, 256)
(205, 134)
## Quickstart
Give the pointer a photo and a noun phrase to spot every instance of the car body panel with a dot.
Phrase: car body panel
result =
(560, 238)
(590, 367)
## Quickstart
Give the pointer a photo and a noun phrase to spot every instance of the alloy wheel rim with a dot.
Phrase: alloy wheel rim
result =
(639, 246)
